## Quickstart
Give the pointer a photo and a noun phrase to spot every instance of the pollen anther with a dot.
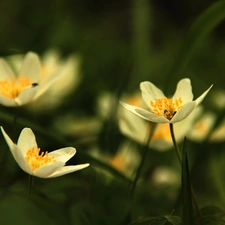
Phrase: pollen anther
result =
(12, 88)
(37, 159)
(166, 107)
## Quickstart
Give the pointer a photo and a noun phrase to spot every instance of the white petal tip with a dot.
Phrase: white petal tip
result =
(82, 166)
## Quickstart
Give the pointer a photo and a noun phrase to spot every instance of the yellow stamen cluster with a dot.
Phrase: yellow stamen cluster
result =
(12, 88)
(37, 160)
(166, 107)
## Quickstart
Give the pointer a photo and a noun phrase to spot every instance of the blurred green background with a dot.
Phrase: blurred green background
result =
(118, 45)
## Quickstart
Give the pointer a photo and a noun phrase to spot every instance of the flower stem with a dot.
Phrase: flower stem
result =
(175, 144)
(30, 184)
(177, 150)
(145, 149)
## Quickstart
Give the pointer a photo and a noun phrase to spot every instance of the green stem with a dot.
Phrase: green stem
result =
(145, 149)
(175, 143)
(30, 184)
(177, 150)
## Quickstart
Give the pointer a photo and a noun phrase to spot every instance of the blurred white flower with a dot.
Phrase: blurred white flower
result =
(83, 128)
(106, 102)
(166, 176)
(217, 98)
(21, 89)
(201, 128)
(163, 109)
(218, 135)
(126, 160)
(40, 164)
(65, 73)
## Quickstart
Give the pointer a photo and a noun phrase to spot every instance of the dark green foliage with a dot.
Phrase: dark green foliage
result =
(120, 44)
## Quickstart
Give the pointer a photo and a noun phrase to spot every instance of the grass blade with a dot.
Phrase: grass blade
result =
(186, 190)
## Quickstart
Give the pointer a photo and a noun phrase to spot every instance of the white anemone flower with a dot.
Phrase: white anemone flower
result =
(68, 72)
(40, 164)
(163, 109)
(27, 85)
(19, 90)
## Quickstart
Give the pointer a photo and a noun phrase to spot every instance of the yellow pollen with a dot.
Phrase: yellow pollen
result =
(12, 88)
(37, 160)
(166, 107)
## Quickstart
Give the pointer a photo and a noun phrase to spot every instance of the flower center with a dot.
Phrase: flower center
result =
(166, 107)
(37, 160)
(12, 88)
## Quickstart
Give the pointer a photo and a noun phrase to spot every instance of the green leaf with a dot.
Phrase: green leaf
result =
(186, 190)
(206, 22)
(210, 220)
(174, 220)
(211, 210)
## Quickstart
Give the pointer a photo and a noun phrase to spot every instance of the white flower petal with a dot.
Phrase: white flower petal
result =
(52, 169)
(26, 141)
(150, 116)
(45, 171)
(63, 154)
(181, 128)
(31, 67)
(68, 169)
(8, 101)
(47, 82)
(27, 95)
(184, 91)
(17, 153)
(5, 70)
(20, 159)
(132, 126)
(183, 112)
(150, 92)
(200, 99)
(145, 114)
(8, 140)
